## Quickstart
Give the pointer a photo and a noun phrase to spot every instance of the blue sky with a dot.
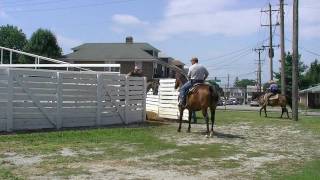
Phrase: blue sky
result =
(222, 33)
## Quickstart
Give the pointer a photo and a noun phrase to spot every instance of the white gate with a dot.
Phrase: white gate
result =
(37, 99)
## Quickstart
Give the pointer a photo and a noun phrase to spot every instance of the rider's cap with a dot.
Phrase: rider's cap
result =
(194, 59)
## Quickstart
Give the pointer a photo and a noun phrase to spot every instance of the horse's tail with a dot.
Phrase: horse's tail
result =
(289, 100)
(214, 94)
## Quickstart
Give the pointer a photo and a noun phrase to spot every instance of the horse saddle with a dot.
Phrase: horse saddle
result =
(195, 86)
(274, 97)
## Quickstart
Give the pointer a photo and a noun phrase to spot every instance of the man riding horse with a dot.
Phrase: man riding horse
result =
(273, 90)
(197, 74)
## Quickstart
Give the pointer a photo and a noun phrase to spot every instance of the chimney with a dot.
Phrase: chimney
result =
(129, 39)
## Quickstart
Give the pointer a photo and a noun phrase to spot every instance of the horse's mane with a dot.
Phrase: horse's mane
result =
(181, 77)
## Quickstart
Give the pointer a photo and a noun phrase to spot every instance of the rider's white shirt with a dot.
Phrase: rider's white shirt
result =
(197, 72)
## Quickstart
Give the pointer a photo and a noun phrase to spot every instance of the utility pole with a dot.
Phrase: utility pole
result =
(228, 86)
(282, 47)
(295, 58)
(270, 25)
(258, 50)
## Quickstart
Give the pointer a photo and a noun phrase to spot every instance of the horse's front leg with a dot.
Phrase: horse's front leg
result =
(261, 110)
(265, 111)
(180, 118)
(282, 111)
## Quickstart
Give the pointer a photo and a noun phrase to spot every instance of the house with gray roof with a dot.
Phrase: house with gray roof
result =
(128, 54)
(310, 97)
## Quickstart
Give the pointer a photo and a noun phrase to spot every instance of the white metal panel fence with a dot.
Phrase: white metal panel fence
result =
(37, 99)
(165, 104)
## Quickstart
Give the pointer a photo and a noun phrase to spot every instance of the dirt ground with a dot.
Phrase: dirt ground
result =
(257, 150)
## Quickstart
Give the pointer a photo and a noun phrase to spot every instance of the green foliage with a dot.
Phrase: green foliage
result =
(288, 71)
(312, 75)
(44, 43)
(12, 37)
(243, 83)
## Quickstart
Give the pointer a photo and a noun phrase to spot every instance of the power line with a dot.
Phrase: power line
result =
(234, 60)
(301, 47)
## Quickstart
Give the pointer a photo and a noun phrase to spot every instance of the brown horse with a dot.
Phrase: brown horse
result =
(203, 97)
(281, 101)
(154, 85)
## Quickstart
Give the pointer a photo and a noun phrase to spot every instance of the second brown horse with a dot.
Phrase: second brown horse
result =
(203, 97)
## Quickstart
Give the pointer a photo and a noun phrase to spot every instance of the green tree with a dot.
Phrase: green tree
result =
(243, 83)
(288, 71)
(312, 75)
(44, 43)
(12, 37)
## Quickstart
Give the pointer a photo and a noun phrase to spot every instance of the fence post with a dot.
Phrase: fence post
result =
(9, 123)
(126, 100)
(144, 104)
(59, 101)
(99, 99)
(1, 56)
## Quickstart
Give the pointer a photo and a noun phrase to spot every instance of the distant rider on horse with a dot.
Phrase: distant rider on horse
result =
(197, 74)
(137, 72)
(272, 90)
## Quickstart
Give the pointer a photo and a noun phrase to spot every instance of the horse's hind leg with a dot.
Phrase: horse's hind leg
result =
(282, 111)
(205, 115)
(287, 112)
(213, 113)
(190, 116)
(180, 118)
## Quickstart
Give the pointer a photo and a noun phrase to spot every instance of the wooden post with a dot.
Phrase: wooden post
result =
(1, 56)
(99, 99)
(282, 47)
(144, 114)
(10, 57)
(295, 59)
(9, 123)
(126, 104)
(59, 101)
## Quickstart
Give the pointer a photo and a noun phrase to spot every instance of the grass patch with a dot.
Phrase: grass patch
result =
(51, 142)
(7, 174)
(310, 171)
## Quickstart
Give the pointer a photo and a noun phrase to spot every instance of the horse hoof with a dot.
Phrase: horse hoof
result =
(211, 134)
(179, 130)
(207, 136)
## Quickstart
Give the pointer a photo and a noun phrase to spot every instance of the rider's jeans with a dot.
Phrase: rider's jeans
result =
(184, 89)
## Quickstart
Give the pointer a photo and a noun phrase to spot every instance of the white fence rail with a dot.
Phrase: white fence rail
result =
(40, 60)
(40, 99)
(165, 104)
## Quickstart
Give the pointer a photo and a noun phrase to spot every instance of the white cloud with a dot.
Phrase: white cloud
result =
(67, 43)
(206, 17)
(125, 19)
